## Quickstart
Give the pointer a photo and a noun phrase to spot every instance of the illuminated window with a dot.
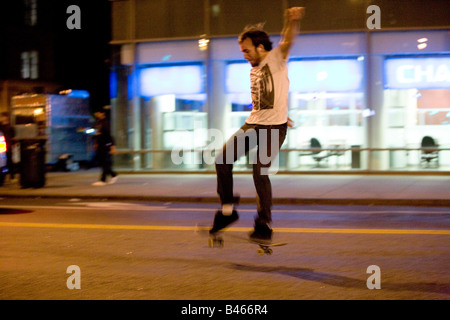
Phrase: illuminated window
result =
(30, 64)
(418, 86)
(31, 12)
(238, 78)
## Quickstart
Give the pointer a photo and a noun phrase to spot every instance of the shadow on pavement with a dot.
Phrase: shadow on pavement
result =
(13, 211)
(345, 282)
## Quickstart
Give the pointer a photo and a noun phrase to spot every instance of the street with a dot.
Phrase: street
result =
(151, 251)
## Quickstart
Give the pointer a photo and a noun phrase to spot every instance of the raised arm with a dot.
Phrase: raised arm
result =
(291, 28)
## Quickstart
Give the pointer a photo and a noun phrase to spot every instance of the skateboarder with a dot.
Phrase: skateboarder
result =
(266, 126)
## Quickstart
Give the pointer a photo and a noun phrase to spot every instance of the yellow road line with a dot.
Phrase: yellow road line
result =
(236, 229)
(93, 226)
(362, 231)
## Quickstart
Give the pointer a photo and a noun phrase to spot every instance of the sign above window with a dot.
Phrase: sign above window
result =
(156, 81)
(337, 75)
(418, 73)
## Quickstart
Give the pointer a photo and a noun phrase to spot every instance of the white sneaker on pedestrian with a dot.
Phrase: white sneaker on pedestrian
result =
(99, 184)
(113, 180)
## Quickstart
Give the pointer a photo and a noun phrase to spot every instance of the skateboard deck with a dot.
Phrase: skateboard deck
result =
(265, 248)
(217, 240)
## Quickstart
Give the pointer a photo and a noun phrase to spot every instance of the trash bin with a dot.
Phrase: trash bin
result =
(356, 157)
(32, 165)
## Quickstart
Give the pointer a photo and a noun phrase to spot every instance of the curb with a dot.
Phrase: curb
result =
(246, 200)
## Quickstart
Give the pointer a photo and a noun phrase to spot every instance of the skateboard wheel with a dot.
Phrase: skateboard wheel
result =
(215, 242)
(269, 252)
(260, 251)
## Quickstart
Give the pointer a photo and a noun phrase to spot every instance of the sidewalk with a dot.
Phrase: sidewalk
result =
(377, 189)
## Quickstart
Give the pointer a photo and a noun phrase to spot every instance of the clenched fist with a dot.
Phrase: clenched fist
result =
(295, 13)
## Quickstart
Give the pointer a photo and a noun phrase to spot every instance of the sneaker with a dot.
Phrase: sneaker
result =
(99, 184)
(113, 180)
(221, 221)
(262, 232)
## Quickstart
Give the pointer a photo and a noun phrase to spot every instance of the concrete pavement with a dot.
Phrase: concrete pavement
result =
(364, 189)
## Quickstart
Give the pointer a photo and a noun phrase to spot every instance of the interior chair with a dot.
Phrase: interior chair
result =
(318, 154)
(429, 156)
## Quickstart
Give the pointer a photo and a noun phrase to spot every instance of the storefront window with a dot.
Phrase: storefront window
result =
(326, 104)
(239, 101)
(175, 115)
(380, 95)
(121, 115)
(417, 96)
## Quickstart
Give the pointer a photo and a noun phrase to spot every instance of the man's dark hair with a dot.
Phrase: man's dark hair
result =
(257, 36)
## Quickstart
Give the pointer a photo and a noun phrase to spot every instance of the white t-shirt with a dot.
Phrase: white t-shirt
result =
(270, 90)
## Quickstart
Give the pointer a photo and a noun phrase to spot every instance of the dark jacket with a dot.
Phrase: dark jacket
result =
(104, 137)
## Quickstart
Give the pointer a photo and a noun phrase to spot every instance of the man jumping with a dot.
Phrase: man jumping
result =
(266, 126)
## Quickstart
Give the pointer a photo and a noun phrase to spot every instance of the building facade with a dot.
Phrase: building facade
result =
(40, 53)
(27, 49)
(180, 87)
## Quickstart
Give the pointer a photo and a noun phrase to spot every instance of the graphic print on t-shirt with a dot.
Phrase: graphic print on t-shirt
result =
(263, 94)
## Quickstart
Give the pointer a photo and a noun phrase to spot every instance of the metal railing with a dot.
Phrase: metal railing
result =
(428, 149)
(336, 152)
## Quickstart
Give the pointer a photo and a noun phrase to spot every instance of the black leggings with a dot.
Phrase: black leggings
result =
(105, 162)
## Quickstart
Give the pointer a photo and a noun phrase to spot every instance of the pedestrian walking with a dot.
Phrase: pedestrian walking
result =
(105, 149)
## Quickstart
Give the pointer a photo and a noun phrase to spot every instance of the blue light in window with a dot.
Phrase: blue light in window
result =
(113, 84)
(83, 94)
(326, 75)
(157, 81)
(238, 77)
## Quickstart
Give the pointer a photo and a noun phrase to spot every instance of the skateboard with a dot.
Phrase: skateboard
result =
(217, 241)
(265, 248)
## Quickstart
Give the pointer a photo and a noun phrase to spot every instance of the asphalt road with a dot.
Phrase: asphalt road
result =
(151, 251)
